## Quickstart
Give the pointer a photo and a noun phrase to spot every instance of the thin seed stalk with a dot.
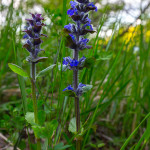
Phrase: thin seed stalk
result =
(33, 83)
(77, 106)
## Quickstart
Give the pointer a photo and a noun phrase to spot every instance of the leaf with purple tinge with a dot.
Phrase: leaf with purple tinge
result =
(37, 28)
(76, 17)
(37, 41)
(84, 32)
(29, 32)
(44, 35)
(70, 43)
(27, 46)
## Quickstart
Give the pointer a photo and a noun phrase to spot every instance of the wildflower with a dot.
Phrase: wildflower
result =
(68, 88)
(72, 63)
(76, 41)
(78, 91)
(92, 6)
(33, 37)
(68, 27)
(73, 8)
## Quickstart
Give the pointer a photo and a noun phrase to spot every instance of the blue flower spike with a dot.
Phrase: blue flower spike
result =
(79, 14)
(75, 40)
(33, 37)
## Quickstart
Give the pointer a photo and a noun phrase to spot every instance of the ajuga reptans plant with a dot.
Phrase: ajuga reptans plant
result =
(79, 12)
(32, 44)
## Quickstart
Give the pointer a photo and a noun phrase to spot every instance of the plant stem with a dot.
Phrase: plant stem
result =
(77, 106)
(77, 112)
(33, 82)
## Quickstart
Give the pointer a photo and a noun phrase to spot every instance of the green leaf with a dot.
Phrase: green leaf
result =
(89, 62)
(39, 59)
(39, 131)
(63, 68)
(61, 146)
(41, 117)
(51, 127)
(101, 145)
(70, 93)
(69, 42)
(93, 145)
(43, 72)
(45, 145)
(45, 131)
(105, 55)
(17, 70)
(132, 134)
(87, 88)
(72, 126)
(30, 117)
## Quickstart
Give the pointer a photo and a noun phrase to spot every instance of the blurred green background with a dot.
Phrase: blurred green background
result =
(120, 98)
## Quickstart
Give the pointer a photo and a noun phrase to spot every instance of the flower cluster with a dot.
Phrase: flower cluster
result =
(78, 13)
(73, 64)
(75, 39)
(79, 90)
(33, 37)
(85, 6)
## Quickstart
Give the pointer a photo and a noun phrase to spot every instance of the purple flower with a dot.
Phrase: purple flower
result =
(25, 36)
(81, 61)
(79, 90)
(88, 25)
(73, 4)
(73, 37)
(92, 5)
(73, 8)
(33, 36)
(68, 27)
(71, 62)
(68, 88)
(84, 41)
(74, 63)
(81, 85)
(66, 60)
(83, 1)
(88, 21)
(70, 12)
(82, 44)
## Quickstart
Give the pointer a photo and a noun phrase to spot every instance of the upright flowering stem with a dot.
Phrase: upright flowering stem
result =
(33, 83)
(33, 42)
(76, 41)
(77, 104)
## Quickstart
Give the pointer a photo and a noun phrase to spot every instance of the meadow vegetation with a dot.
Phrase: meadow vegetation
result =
(114, 113)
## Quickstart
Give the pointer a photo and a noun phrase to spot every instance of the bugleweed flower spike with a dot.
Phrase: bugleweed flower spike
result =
(33, 42)
(32, 45)
(32, 36)
(82, 25)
